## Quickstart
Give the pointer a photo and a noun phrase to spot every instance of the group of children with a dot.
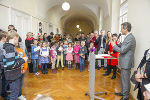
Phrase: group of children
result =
(62, 52)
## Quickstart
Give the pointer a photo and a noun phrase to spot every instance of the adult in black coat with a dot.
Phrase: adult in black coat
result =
(143, 75)
(50, 36)
(29, 42)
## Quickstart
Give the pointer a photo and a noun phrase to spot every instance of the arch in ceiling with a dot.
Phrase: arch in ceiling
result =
(57, 15)
(89, 9)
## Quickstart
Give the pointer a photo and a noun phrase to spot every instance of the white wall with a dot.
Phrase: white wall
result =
(115, 16)
(4, 17)
(139, 16)
(28, 7)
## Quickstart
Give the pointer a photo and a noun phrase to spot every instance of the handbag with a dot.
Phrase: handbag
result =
(133, 79)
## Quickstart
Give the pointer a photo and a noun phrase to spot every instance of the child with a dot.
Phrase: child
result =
(44, 60)
(21, 54)
(35, 56)
(60, 50)
(82, 52)
(76, 56)
(3, 37)
(65, 46)
(53, 54)
(12, 64)
(69, 56)
(91, 50)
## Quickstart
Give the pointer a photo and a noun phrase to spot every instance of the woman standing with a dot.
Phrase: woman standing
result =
(112, 64)
(28, 43)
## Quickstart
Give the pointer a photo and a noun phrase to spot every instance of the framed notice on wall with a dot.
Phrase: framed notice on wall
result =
(40, 27)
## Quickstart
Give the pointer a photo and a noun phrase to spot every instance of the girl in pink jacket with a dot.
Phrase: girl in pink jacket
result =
(53, 54)
(76, 56)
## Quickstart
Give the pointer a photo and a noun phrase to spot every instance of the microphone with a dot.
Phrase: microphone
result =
(119, 36)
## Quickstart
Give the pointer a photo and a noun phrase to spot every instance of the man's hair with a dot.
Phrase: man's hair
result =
(3, 34)
(127, 25)
(51, 33)
(12, 34)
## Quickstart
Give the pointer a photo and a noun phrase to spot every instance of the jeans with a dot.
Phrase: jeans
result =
(4, 93)
(35, 65)
(21, 84)
(14, 88)
(82, 64)
(44, 66)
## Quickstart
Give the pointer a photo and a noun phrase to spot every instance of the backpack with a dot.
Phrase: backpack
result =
(12, 63)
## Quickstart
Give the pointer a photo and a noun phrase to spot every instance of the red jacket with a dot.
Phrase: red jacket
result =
(116, 55)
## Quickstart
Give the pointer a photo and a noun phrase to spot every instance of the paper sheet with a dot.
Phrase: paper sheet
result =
(147, 86)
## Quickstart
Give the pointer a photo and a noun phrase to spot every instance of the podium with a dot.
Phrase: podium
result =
(92, 92)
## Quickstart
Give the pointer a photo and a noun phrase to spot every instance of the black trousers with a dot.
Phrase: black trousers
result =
(110, 67)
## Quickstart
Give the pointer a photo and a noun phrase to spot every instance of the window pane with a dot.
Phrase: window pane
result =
(123, 9)
(123, 12)
(121, 1)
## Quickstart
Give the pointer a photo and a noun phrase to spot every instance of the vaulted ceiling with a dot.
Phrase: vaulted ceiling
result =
(87, 9)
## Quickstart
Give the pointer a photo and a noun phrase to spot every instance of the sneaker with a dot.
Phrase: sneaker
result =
(54, 71)
(63, 68)
(22, 97)
(113, 77)
(37, 74)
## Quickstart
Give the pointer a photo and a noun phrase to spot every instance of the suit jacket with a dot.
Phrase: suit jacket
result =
(98, 42)
(126, 50)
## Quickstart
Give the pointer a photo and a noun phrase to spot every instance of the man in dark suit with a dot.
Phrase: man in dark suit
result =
(126, 59)
(101, 41)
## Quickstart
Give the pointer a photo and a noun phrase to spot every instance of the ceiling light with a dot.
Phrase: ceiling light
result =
(66, 6)
(77, 26)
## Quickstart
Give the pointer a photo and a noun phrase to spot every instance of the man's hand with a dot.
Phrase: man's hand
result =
(22, 71)
(138, 77)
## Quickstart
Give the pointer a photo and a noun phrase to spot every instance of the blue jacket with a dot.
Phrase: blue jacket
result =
(35, 54)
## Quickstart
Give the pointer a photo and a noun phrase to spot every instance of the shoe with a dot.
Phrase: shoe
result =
(63, 68)
(46, 72)
(105, 68)
(54, 71)
(98, 68)
(113, 77)
(22, 97)
(37, 74)
(56, 68)
(124, 98)
(43, 72)
(106, 74)
(119, 94)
